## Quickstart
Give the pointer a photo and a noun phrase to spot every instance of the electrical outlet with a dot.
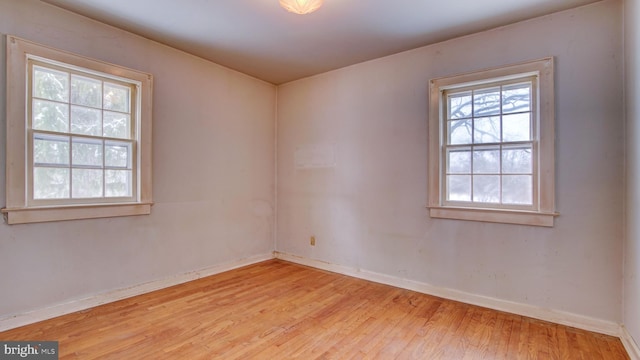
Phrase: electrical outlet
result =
(312, 241)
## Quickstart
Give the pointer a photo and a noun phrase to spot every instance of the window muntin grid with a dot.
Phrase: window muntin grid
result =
(81, 136)
(489, 144)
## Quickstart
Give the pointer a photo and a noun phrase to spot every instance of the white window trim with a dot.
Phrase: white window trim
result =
(545, 212)
(17, 210)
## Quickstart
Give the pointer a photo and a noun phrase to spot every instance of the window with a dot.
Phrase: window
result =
(491, 146)
(78, 137)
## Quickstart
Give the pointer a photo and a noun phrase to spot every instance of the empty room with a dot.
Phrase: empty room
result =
(337, 179)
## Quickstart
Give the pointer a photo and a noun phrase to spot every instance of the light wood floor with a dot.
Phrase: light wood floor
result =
(277, 310)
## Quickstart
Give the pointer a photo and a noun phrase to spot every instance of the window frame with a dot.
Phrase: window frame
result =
(542, 212)
(20, 206)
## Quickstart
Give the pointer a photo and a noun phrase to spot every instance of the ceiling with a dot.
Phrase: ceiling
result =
(261, 39)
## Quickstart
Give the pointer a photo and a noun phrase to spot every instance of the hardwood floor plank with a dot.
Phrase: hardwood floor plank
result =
(481, 346)
(427, 332)
(499, 340)
(448, 336)
(278, 310)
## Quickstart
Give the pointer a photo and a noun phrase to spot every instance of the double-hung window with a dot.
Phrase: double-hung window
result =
(78, 140)
(81, 142)
(492, 144)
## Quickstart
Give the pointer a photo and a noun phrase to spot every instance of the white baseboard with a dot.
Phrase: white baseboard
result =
(629, 344)
(558, 317)
(111, 296)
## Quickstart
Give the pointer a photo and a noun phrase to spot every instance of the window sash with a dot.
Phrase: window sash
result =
(474, 146)
(72, 137)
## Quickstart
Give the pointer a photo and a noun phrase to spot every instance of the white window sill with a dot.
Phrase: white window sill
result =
(75, 212)
(532, 218)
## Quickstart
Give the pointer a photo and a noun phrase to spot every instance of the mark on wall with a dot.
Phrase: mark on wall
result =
(315, 156)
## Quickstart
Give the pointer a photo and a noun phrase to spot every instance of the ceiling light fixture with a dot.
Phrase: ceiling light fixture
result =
(301, 6)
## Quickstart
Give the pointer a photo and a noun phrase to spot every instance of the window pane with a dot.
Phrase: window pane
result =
(486, 102)
(486, 130)
(117, 154)
(459, 132)
(50, 84)
(116, 98)
(459, 105)
(517, 189)
(87, 152)
(87, 183)
(486, 188)
(459, 187)
(116, 125)
(516, 98)
(85, 121)
(50, 149)
(459, 161)
(516, 127)
(50, 183)
(118, 183)
(86, 91)
(50, 116)
(517, 160)
(486, 161)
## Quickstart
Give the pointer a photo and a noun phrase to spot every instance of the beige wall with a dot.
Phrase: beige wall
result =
(213, 133)
(631, 317)
(368, 211)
